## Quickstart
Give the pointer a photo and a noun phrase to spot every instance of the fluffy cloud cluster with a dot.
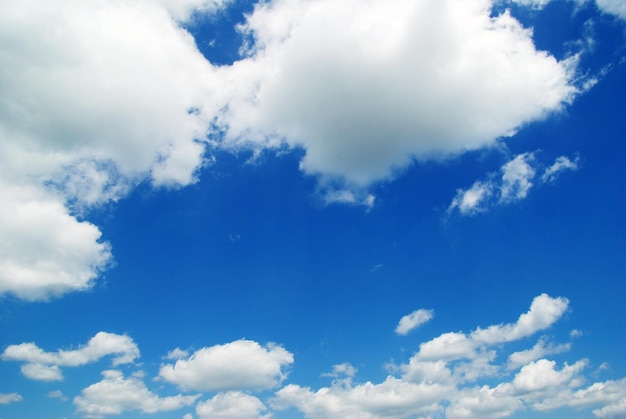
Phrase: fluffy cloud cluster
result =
(442, 378)
(44, 366)
(363, 87)
(242, 364)
(366, 87)
(116, 394)
(454, 375)
(512, 183)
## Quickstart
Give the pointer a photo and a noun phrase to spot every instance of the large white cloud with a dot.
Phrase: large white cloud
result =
(44, 366)
(365, 87)
(238, 365)
(86, 111)
(116, 394)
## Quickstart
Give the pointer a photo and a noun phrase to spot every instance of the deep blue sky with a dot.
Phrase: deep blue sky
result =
(255, 247)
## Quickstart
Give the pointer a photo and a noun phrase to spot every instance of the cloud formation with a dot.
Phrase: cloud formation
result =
(512, 183)
(6, 398)
(413, 320)
(116, 394)
(364, 88)
(232, 405)
(44, 366)
(238, 365)
(413, 80)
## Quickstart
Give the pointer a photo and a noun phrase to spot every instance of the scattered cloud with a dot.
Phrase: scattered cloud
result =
(57, 394)
(614, 7)
(342, 370)
(176, 354)
(414, 320)
(561, 164)
(540, 350)
(232, 405)
(6, 398)
(42, 365)
(116, 394)
(512, 183)
(447, 377)
(242, 364)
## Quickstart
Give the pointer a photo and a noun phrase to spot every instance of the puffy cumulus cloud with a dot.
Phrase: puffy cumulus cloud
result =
(366, 87)
(115, 394)
(232, 405)
(456, 375)
(45, 251)
(42, 365)
(511, 183)
(414, 320)
(6, 398)
(86, 113)
(238, 365)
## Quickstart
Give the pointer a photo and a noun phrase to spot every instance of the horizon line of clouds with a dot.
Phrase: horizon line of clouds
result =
(511, 183)
(446, 375)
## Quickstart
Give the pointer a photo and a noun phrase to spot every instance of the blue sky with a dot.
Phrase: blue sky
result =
(312, 209)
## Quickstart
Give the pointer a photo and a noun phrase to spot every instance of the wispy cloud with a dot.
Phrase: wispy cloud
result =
(513, 182)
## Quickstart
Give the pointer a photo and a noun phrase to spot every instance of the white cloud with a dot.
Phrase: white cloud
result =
(410, 80)
(90, 112)
(540, 350)
(115, 394)
(44, 251)
(41, 365)
(615, 7)
(544, 311)
(414, 320)
(393, 398)
(232, 405)
(560, 164)
(366, 87)
(239, 365)
(177, 353)
(456, 375)
(57, 394)
(471, 201)
(516, 177)
(512, 183)
(342, 370)
(6, 398)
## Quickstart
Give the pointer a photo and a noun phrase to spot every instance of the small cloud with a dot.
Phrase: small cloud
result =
(341, 370)
(561, 164)
(575, 333)
(57, 394)
(414, 320)
(348, 197)
(375, 268)
(177, 353)
(511, 183)
(6, 398)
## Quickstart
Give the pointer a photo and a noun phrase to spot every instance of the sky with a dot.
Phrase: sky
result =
(312, 209)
